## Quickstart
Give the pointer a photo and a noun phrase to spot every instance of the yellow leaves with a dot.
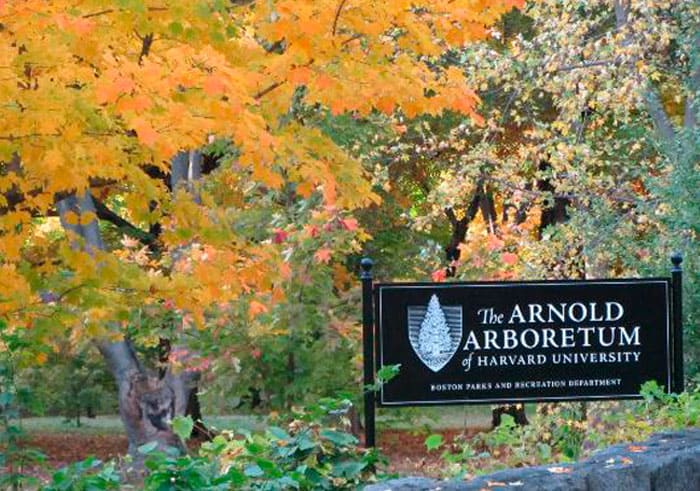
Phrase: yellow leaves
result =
(71, 218)
(15, 291)
(99, 109)
(53, 160)
(455, 37)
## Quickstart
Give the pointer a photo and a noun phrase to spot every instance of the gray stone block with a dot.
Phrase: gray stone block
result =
(668, 461)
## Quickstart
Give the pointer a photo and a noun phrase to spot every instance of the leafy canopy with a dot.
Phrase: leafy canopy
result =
(101, 95)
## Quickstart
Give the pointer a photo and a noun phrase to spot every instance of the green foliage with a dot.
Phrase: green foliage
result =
(14, 457)
(567, 432)
(171, 471)
(433, 442)
(384, 375)
(87, 475)
(182, 426)
(71, 384)
(308, 453)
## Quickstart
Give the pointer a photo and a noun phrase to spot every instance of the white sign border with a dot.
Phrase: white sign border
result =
(378, 323)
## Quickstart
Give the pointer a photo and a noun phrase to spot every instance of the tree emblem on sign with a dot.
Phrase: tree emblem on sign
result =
(436, 337)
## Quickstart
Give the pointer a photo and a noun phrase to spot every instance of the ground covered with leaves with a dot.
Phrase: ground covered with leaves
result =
(405, 450)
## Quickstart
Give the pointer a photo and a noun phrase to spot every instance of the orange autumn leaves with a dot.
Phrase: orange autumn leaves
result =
(96, 89)
(139, 80)
(96, 93)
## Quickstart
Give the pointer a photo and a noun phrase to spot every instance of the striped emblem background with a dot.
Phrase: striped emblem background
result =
(453, 316)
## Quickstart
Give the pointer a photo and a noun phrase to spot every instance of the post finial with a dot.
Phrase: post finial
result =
(366, 265)
(676, 260)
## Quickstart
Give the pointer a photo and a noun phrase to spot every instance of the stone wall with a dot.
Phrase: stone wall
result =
(668, 461)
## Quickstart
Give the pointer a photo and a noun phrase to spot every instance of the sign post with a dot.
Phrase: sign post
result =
(368, 348)
(514, 342)
(677, 288)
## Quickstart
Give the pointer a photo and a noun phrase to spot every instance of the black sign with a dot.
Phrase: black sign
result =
(527, 341)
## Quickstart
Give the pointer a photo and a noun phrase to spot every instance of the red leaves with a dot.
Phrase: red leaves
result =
(439, 275)
(493, 243)
(110, 91)
(145, 132)
(509, 258)
(349, 224)
(279, 236)
(300, 75)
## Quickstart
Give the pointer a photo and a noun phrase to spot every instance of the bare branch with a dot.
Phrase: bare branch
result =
(268, 89)
(587, 64)
(147, 41)
(337, 16)
(622, 8)
(104, 213)
(96, 14)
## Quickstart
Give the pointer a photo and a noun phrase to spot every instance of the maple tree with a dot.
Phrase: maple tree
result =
(105, 105)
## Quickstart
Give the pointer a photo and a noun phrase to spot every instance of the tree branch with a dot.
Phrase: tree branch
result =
(146, 41)
(664, 127)
(460, 227)
(587, 64)
(104, 213)
(337, 16)
(268, 89)
(101, 12)
(622, 8)
(691, 109)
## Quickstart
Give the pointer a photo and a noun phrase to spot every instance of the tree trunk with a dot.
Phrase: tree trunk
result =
(147, 401)
(517, 411)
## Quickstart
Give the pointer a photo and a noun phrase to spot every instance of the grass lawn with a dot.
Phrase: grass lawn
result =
(427, 418)
(112, 424)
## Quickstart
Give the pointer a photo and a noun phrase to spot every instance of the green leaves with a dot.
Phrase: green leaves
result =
(304, 455)
(433, 442)
(147, 448)
(338, 438)
(182, 427)
(384, 375)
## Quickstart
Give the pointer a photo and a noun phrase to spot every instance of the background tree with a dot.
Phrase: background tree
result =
(587, 163)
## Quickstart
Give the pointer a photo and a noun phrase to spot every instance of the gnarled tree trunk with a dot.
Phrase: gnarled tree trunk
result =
(148, 399)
